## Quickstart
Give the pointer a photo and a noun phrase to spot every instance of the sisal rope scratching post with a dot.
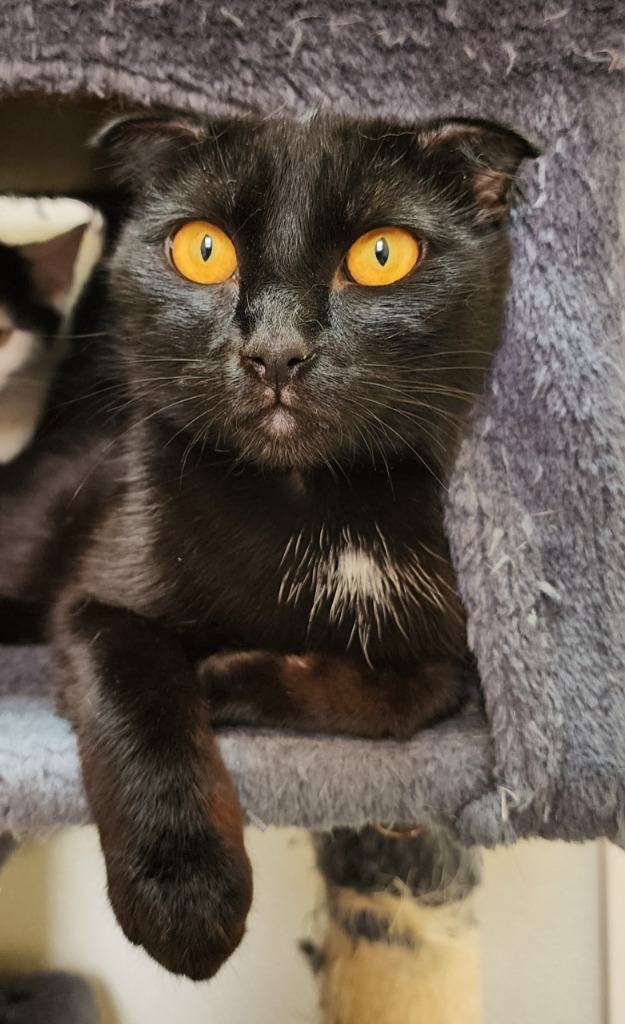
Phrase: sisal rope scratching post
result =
(401, 943)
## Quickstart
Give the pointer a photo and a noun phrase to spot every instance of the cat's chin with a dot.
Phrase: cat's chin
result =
(276, 440)
(276, 454)
(281, 447)
(279, 423)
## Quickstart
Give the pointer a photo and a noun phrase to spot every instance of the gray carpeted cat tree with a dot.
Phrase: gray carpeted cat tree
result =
(536, 507)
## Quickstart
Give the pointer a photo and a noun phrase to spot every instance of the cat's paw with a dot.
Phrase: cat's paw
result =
(243, 687)
(421, 698)
(183, 897)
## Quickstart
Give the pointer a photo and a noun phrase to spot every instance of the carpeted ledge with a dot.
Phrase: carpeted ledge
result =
(281, 779)
(46, 997)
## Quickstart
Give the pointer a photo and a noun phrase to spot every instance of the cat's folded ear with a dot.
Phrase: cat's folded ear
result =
(141, 146)
(481, 158)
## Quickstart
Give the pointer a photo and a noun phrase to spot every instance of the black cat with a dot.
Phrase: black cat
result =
(304, 313)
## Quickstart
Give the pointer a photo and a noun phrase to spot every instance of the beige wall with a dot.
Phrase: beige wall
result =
(53, 913)
(541, 931)
(43, 145)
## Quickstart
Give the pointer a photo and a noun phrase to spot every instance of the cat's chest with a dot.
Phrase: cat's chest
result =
(358, 572)
(360, 592)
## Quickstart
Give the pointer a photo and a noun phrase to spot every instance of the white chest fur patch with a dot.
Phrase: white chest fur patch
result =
(358, 572)
(364, 584)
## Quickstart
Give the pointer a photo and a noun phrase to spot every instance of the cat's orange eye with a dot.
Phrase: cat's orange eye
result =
(382, 256)
(203, 253)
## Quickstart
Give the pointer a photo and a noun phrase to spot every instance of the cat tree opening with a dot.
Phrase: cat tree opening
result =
(45, 144)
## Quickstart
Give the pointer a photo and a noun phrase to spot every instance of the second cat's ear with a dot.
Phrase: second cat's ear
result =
(482, 158)
(140, 146)
(52, 265)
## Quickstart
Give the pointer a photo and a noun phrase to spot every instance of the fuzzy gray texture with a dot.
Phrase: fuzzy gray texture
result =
(536, 507)
(46, 997)
(281, 779)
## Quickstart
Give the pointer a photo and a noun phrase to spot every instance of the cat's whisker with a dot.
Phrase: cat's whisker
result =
(448, 392)
(129, 401)
(387, 429)
(186, 427)
(446, 420)
(373, 443)
(116, 387)
(80, 337)
(140, 357)
(160, 411)
(411, 417)
(88, 394)
(434, 354)
(197, 436)
(414, 397)
(419, 385)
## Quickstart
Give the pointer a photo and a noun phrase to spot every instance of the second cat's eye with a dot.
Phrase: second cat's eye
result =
(382, 256)
(203, 253)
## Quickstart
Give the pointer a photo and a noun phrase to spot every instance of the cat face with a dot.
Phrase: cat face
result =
(293, 358)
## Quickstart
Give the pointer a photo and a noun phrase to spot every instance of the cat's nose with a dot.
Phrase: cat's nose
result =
(277, 368)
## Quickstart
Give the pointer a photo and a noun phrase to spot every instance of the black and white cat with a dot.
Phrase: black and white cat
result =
(35, 282)
(304, 311)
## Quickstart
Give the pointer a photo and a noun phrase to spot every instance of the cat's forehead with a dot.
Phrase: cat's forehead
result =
(311, 170)
(294, 192)
(316, 149)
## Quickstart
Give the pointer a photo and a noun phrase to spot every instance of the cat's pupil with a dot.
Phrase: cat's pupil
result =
(381, 251)
(206, 247)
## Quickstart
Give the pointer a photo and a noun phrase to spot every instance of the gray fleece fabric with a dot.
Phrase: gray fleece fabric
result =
(536, 507)
(46, 997)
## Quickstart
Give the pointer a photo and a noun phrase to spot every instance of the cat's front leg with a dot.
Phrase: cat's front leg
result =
(170, 826)
(330, 693)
